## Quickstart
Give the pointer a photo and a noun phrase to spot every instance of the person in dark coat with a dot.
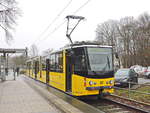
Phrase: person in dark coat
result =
(17, 70)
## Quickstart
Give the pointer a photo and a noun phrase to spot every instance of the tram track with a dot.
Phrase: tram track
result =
(108, 105)
(130, 102)
(129, 108)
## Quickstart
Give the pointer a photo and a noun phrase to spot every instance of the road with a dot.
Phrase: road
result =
(143, 80)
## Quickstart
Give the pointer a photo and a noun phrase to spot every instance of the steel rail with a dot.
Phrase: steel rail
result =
(128, 106)
(129, 99)
(132, 90)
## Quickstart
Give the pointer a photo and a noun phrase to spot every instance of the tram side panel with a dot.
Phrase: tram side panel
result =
(27, 72)
(28, 69)
(41, 75)
(57, 76)
(37, 68)
(43, 70)
(34, 70)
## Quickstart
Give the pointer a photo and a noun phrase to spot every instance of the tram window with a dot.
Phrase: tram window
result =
(59, 62)
(80, 63)
(56, 62)
(43, 66)
(30, 65)
(60, 59)
(34, 66)
(77, 64)
(52, 62)
(37, 66)
(79, 60)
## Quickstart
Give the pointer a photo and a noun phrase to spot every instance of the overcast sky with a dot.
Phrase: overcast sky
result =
(39, 14)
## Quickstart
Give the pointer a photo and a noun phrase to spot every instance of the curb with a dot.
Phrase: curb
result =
(56, 101)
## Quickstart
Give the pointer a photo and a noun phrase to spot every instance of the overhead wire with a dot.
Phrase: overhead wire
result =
(73, 14)
(82, 6)
(52, 22)
(56, 28)
(4, 5)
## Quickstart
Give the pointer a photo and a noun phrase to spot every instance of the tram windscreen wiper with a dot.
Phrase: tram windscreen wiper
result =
(107, 64)
(94, 72)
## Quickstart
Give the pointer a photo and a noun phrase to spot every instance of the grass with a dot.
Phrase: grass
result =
(135, 95)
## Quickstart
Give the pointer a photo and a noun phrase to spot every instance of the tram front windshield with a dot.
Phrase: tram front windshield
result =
(100, 59)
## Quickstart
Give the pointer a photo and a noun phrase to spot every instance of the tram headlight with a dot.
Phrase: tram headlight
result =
(92, 83)
(111, 81)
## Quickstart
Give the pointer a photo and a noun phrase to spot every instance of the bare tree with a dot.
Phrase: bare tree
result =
(126, 30)
(18, 61)
(131, 38)
(143, 39)
(9, 13)
(47, 52)
(33, 51)
(106, 32)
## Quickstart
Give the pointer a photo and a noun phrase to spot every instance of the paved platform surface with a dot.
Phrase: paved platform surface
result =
(16, 96)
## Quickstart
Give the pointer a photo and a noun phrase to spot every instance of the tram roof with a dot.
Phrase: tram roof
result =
(32, 58)
(78, 46)
(74, 46)
(87, 45)
(82, 45)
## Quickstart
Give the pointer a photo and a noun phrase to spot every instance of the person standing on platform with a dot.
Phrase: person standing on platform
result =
(14, 73)
(17, 70)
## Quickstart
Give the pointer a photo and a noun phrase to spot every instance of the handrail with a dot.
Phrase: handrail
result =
(129, 89)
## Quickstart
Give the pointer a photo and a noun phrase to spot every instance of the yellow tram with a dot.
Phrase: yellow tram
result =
(79, 70)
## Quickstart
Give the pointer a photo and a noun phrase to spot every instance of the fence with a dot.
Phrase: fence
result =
(131, 90)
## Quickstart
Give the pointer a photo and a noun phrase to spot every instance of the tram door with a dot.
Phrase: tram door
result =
(36, 68)
(69, 73)
(47, 70)
(29, 69)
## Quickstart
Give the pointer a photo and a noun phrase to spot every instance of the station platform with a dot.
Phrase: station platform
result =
(16, 96)
(26, 95)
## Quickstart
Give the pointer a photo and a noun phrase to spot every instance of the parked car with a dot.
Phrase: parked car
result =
(138, 69)
(124, 76)
(144, 69)
(147, 73)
